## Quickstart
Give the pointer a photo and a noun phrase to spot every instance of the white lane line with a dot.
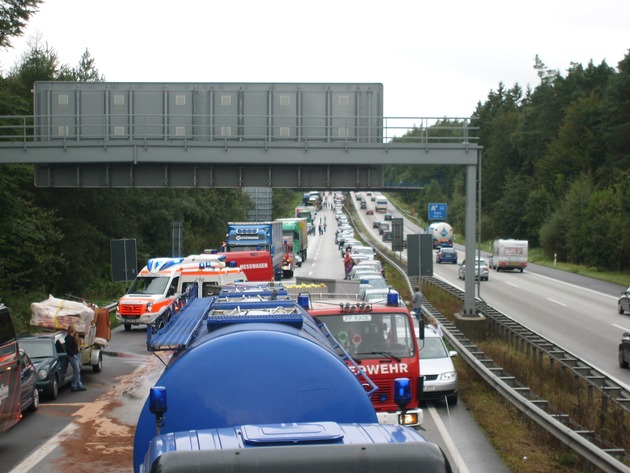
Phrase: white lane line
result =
(583, 289)
(450, 445)
(556, 302)
(511, 284)
(44, 450)
(625, 329)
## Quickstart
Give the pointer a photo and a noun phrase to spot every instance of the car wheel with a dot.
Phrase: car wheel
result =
(619, 308)
(521, 270)
(452, 400)
(98, 367)
(35, 404)
(54, 389)
(127, 327)
(622, 363)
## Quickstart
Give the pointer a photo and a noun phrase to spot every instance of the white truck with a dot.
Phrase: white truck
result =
(509, 254)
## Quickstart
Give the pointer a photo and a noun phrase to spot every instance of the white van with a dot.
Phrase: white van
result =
(163, 279)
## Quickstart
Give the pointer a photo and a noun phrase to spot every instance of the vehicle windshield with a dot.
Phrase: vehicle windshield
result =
(432, 347)
(376, 283)
(37, 348)
(149, 285)
(369, 335)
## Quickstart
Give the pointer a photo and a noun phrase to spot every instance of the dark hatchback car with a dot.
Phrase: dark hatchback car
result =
(624, 351)
(30, 393)
(446, 255)
(623, 304)
(47, 351)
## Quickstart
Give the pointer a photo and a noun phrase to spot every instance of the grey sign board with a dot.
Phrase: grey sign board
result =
(124, 259)
(419, 255)
(397, 234)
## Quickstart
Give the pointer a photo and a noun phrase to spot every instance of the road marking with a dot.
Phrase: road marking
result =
(556, 302)
(622, 328)
(45, 450)
(450, 445)
(583, 289)
(511, 284)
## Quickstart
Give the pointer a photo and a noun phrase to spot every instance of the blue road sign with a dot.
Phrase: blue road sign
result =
(437, 211)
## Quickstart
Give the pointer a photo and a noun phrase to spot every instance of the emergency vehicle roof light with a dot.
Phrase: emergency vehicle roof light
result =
(402, 392)
(233, 264)
(157, 400)
(303, 300)
(392, 298)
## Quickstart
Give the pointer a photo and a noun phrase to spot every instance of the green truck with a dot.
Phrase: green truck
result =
(295, 232)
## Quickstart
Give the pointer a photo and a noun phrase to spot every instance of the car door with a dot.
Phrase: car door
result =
(28, 379)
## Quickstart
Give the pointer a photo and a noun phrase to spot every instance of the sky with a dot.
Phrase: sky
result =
(434, 59)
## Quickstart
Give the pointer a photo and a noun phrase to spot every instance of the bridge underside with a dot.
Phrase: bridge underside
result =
(278, 165)
(174, 175)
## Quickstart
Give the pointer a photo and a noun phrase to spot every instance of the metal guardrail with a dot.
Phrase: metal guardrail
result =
(584, 442)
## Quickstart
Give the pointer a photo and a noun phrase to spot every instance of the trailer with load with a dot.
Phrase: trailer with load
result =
(50, 320)
(286, 401)
(254, 236)
(161, 280)
(509, 254)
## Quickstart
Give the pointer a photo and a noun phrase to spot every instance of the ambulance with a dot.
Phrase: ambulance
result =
(163, 279)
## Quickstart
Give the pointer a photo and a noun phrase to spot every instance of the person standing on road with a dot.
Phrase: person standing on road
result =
(72, 350)
(417, 301)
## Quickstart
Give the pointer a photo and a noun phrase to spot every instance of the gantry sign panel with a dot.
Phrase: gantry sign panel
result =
(260, 112)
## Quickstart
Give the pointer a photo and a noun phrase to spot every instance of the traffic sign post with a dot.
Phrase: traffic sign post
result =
(437, 211)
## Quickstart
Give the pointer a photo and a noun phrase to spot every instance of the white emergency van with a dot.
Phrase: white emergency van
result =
(163, 279)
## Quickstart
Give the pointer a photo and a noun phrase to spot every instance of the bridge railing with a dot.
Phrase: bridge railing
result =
(26, 129)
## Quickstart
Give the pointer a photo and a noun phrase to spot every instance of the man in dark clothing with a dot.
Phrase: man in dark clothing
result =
(417, 301)
(72, 349)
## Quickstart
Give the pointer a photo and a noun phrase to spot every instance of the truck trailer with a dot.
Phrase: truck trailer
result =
(296, 230)
(442, 234)
(254, 236)
(285, 402)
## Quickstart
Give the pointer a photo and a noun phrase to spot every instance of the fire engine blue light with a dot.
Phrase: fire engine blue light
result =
(402, 392)
(303, 300)
(157, 400)
(392, 298)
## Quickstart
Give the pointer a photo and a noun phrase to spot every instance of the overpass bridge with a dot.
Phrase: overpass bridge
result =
(223, 135)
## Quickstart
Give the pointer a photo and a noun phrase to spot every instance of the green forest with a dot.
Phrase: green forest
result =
(553, 171)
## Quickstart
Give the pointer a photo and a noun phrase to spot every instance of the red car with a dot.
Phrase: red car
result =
(369, 212)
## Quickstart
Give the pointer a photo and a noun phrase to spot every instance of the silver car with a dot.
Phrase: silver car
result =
(437, 369)
(482, 271)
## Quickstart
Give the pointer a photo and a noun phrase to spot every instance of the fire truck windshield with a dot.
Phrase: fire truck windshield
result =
(372, 334)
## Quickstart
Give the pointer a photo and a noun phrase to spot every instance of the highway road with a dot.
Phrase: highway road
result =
(94, 430)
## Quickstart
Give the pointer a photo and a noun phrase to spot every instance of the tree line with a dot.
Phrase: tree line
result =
(555, 165)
